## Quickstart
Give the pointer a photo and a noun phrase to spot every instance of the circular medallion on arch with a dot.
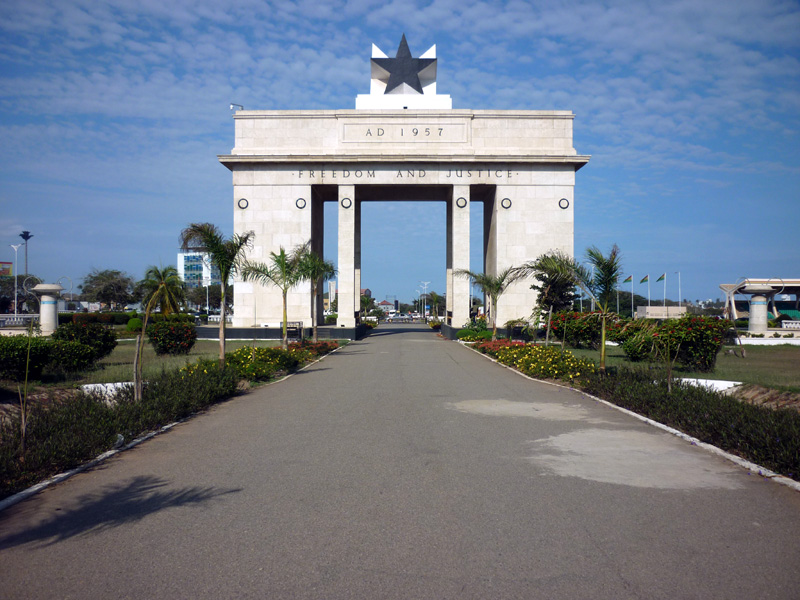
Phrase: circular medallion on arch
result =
(461, 202)
(505, 202)
(563, 203)
(300, 203)
(243, 203)
(346, 203)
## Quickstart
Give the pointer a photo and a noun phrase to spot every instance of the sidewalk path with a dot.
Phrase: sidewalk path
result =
(406, 466)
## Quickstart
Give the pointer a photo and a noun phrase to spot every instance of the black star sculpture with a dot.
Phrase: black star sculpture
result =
(403, 68)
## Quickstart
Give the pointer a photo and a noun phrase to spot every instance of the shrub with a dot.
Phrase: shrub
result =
(134, 325)
(14, 356)
(697, 340)
(579, 330)
(98, 337)
(62, 434)
(70, 357)
(261, 364)
(315, 348)
(470, 335)
(538, 361)
(172, 337)
(435, 325)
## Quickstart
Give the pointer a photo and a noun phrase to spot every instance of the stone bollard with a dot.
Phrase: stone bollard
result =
(48, 306)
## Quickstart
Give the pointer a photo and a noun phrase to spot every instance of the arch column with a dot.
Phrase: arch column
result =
(348, 258)
(458, 288)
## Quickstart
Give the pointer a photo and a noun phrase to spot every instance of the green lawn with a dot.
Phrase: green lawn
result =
(119, 365)
(770, 366)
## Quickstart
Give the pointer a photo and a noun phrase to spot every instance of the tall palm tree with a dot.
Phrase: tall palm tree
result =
(314, 268)
(163, 288)
(493, 286)
(283, 271)
(599, 284)
(225, 254)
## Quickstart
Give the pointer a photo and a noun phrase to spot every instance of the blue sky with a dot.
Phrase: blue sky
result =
(112, 115)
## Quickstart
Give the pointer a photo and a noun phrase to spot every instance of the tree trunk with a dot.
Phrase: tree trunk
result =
(222, 328)
(285, 342)
(137, 370)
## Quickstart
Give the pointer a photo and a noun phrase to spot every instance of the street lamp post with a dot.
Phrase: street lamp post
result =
(16, 275)
(26, 235)
(424, 285)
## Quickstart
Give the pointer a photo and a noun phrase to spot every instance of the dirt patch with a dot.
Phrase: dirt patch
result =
(761, 396)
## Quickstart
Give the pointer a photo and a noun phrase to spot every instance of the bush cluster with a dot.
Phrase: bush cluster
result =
(470, 335)
(693, 340)
(47, 356)
(579, 330)
(262, 364)
(315, 349)
(763, 435)
(538, 361)
(14, 356)
(106, 318)
(99, 337)
(172, 337)
(134, 325)
(63, 434)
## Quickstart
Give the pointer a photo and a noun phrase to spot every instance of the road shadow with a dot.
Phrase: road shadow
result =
(111, 507)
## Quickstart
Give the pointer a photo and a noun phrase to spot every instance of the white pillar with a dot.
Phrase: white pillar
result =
(758, 314)
(48, 306)
(347, 298)
(458, 288)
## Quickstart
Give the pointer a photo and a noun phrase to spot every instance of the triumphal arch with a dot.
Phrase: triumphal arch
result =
(403, 141)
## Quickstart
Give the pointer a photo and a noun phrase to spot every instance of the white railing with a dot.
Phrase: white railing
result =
(215, 318)
(790, 324)
(17, 320)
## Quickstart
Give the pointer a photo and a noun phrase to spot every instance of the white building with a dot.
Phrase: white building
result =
(196, 270)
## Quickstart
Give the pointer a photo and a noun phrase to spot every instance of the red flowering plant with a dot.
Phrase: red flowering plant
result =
(172, 337)
(697, 340)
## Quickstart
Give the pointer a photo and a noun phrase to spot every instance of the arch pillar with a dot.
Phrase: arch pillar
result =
(349, 256)
(458, 288)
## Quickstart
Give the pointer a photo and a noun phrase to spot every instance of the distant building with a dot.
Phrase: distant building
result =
(196, 270)
(385, 306)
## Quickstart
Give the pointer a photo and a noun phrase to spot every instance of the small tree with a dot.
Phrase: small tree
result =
(493, 286)
(163, 288)
(315, 269)
(600, 285)
(283, 271)
(226, 255)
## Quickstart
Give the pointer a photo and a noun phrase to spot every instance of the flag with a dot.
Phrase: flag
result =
(646, 279)
(661, 278)
(630, 278)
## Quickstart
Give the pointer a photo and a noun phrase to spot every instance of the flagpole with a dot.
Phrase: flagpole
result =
(648, 290)
(617, 299)
(632, 298)
(679, 288)
(665, 291)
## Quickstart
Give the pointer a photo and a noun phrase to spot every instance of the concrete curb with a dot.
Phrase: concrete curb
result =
(746, 464)
(42, 485)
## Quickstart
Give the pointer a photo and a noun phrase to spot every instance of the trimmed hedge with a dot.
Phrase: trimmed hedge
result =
(14, 356)
(100, 338)
(63, 434)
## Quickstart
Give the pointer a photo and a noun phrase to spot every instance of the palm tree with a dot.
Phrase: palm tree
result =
(226, 255)
(556, 290)
(599, 284)
(163, 288)
(493, 286)
(314, 268)
(435, 299)
(283, 272)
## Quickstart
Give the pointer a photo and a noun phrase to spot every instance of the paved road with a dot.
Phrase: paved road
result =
(405, 466)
